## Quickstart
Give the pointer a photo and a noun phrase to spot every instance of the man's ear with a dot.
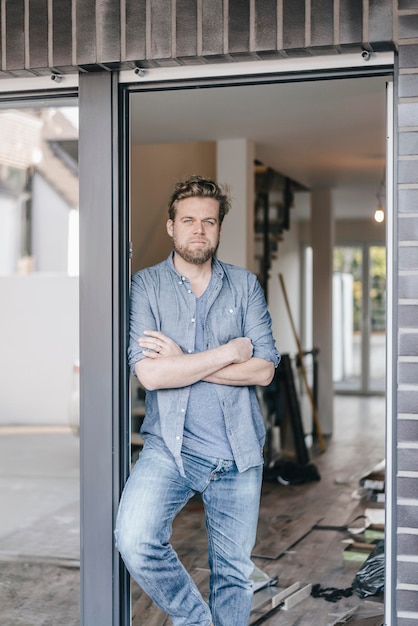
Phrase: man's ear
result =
(170, 227)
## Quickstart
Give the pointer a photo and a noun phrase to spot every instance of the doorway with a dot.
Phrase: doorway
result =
(359, 328)
(293, 128)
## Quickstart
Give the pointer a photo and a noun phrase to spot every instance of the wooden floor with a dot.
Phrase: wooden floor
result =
(293, 551)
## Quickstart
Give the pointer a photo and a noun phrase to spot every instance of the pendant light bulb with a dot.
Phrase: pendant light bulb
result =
(379, 215)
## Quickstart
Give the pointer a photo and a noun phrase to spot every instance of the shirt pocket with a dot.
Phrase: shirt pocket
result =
(226, 323)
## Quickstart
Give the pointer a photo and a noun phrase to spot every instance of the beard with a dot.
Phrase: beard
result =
(196, 256)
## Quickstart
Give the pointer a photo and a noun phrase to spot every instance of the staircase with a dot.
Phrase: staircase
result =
(274, 195)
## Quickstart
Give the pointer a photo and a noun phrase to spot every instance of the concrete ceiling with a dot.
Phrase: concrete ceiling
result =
(328, 133)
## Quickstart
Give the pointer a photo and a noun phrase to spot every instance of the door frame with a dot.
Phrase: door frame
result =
(285, 71)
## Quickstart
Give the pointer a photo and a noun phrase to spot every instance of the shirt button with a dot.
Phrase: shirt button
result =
(231, 310)
(190, 351)
(183, 278)
(182, 410)
(178, 438)
(180, 283)
(189, 291)
(193, 319)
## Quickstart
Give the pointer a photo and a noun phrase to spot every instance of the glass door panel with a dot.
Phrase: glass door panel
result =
(39, 290)
(359, 318)
(347, 318)
(377, 335)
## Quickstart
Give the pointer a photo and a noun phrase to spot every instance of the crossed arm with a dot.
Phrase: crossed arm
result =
(168, 367)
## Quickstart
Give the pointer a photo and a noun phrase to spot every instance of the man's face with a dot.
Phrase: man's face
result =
(195, 229)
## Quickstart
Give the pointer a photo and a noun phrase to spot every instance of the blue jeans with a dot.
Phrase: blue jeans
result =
(153, 496)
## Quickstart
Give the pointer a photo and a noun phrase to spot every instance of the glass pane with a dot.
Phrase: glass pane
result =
(377, 262)
(347, 316)
(39, 190)
(39, 336)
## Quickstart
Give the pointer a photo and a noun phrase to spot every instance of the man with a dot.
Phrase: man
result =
(200, 341)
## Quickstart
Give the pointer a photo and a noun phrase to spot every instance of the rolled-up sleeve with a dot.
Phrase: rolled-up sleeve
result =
(141, 318)
(257, 324)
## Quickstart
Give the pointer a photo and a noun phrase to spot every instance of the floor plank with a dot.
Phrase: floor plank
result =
(293, 550)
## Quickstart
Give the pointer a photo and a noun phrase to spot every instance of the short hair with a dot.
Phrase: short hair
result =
(199, 187)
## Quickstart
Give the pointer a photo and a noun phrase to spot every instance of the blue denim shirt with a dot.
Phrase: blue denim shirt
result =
(163, 300)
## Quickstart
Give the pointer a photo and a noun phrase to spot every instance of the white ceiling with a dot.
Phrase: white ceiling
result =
(320, 133)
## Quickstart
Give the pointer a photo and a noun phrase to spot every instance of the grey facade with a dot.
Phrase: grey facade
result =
(99, 37)
(93, 34)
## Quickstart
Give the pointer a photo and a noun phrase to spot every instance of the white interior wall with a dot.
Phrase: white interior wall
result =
(288, 264)
(235, 167)
(39, 335)
(348, 232)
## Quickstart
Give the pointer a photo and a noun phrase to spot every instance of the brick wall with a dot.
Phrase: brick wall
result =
(64, 34)
(407, 422)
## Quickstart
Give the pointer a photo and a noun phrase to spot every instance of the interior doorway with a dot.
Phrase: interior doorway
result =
(359, 329)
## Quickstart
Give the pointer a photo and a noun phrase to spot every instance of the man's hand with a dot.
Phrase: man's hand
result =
(155, 345)
(242, 349)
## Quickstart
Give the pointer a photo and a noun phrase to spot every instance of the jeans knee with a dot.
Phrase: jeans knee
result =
(121, 543)
(139, 550)
(133, 553)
